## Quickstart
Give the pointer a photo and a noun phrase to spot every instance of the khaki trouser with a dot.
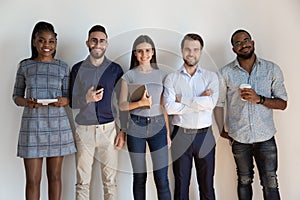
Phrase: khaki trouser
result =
(96, 142)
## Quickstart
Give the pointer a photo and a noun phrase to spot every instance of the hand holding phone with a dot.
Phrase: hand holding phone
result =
(98, 87)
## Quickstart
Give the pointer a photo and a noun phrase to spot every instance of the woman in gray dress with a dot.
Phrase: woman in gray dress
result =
(41, 87)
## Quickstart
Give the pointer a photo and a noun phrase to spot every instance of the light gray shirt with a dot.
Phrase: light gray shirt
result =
(154, 86)
(194, 111)
(250, 122)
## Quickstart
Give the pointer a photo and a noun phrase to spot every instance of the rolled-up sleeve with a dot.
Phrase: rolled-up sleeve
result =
(278, 88)
(20, 84)
(222, 90)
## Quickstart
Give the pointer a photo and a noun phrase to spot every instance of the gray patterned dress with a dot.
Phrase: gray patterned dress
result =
(45, 131)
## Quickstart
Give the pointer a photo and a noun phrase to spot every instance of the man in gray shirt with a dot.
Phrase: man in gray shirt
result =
(98, 137)
(250, 114)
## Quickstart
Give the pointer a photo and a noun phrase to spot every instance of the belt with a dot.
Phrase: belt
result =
(148, 119)
(194, 131)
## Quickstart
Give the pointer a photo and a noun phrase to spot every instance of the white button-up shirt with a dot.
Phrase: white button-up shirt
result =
(194, 111)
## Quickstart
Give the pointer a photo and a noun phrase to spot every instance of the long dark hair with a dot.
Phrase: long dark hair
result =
(40, 27)
(141, 39)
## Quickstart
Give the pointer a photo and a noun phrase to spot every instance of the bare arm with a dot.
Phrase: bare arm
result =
(219, 117)
(272, 103)
(125, 105)
(167, 122)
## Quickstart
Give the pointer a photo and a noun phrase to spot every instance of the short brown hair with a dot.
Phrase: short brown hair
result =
(192, 36)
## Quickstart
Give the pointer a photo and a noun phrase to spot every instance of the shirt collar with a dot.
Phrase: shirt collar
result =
(183, 70)
(237, 64)
(104, 63)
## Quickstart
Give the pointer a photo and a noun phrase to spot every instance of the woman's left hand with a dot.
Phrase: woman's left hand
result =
(61, 101)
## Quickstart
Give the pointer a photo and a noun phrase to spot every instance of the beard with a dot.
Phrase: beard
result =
(190, 63)
(95, 54)
(246, 56)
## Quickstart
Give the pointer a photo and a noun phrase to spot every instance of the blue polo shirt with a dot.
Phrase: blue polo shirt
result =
(83, 76)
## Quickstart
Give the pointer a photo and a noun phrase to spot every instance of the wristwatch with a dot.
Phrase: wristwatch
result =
(262, 99)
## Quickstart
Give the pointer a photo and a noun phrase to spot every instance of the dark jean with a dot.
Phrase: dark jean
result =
(153, 131)
(265, 155)
(199, 147)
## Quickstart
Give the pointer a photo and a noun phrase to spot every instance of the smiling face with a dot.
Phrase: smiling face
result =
(191, 52)
(143, 53)
(243, 46)
(45, 44)
(97, 44)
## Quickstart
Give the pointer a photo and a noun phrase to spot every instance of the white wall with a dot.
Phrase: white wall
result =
(274, 25)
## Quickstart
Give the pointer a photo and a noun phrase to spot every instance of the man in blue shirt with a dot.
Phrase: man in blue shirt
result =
(97, 136)
(190, 95)
(250, 114)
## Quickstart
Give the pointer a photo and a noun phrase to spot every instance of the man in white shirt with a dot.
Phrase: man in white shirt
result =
(190, 95)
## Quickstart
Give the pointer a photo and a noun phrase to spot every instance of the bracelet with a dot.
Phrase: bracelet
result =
(262, 100)
(122, 130)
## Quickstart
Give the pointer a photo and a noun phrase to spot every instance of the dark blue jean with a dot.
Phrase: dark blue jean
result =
(153, 131)
(265, 155)
(199, 147)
